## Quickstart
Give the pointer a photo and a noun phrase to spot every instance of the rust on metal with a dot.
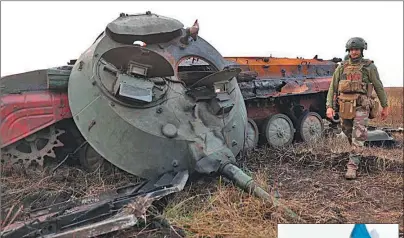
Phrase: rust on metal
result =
(292, 67)
(288, 88)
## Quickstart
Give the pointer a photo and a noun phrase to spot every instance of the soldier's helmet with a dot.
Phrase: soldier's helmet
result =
(356, 43)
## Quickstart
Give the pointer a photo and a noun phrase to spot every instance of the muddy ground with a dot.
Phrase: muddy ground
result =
(305, 178)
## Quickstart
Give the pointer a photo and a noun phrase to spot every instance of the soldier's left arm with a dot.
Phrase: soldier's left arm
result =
(378, 85)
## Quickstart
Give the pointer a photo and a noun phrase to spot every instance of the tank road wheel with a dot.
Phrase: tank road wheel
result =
(311, 126)
(279, 130)
(90, 159)
(252, 134)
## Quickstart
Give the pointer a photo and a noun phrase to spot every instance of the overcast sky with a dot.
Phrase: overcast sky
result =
(332, 230)
(37, 35)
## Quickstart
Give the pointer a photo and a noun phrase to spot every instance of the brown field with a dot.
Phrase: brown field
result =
(396, 103)
(305, 178)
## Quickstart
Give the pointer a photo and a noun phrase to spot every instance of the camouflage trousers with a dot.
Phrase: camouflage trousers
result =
(357, 133)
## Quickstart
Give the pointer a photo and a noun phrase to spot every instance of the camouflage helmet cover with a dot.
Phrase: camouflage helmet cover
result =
(356, 43)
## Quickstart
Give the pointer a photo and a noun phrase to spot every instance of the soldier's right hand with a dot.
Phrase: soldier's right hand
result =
(385, 113)
(330, 113)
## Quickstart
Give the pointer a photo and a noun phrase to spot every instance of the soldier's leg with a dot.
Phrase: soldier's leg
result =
(346, 126)
(359, 136)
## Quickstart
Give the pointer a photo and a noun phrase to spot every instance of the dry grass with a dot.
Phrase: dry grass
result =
(38, 189)
(396, 103)
(227, 212)
(307, 178)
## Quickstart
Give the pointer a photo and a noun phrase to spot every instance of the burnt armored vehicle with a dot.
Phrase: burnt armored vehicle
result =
(138, 100)
(285, 99)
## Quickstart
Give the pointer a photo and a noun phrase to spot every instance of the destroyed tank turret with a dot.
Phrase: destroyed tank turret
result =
(146, 110)
(152, 98)
(140, 98)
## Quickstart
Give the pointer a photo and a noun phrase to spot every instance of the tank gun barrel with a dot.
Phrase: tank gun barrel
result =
(246, 183)
(243, 181)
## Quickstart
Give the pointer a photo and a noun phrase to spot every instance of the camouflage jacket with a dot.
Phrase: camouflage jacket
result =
(370, 75)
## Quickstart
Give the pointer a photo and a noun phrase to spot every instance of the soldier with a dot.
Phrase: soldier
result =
(352, 85)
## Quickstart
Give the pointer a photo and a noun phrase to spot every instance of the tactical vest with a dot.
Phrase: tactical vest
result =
(353, 91)
(351, 80)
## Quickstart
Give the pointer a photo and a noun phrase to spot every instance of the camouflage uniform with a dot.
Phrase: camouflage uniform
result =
(363, 71)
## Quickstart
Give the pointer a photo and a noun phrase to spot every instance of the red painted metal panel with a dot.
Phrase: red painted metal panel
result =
(26, 113)
(257, 113)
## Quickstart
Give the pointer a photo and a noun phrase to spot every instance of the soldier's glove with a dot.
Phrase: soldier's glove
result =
(385, 113)
(330, 113)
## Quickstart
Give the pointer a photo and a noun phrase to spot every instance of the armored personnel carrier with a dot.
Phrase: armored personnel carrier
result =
(285, 100)
(285, 97)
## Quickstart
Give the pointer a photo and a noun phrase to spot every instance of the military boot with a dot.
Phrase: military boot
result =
(352, 166)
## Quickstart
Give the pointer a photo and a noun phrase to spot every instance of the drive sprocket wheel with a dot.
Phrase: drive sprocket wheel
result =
(33, 147)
